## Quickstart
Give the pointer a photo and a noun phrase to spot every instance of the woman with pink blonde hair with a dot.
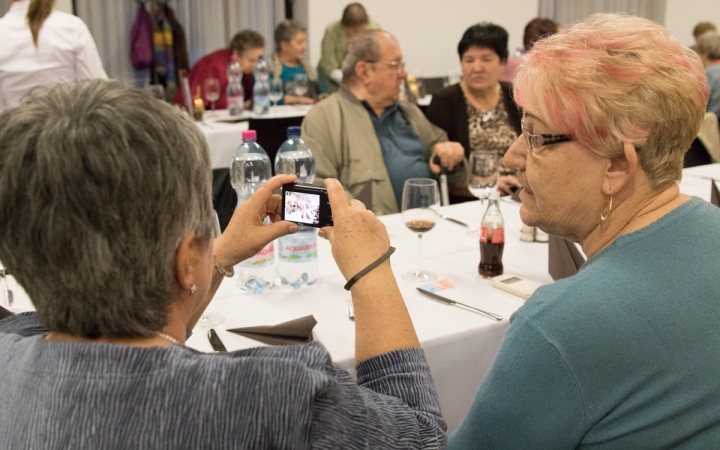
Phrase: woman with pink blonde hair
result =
(625, 353)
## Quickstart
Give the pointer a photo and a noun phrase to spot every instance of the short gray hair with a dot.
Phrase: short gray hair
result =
(286, 31)
(709, 45)
(363, 47)
(98, 186)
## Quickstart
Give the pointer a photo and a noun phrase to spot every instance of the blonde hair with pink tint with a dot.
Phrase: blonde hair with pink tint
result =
(614, 79)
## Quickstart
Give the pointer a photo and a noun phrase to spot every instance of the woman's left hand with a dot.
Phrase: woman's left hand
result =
(246, 235)
(295, 100)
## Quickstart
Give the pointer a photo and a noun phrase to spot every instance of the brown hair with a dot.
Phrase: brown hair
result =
(702, 28)
(245, 40)
(38, 11)
(354, 15)
(537, 29)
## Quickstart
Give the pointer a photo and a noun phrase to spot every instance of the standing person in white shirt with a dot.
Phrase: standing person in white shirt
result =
(42, 46)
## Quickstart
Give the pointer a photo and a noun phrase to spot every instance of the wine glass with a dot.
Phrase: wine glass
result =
(212, 91)
(276, 90)
(483, 175)
(212, 319)
(420, 209)
(302, 84)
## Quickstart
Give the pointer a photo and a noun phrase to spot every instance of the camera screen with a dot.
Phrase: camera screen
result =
(302, 208)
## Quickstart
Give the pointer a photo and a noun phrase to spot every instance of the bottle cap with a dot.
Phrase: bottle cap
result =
(293, 132)
(249, 135)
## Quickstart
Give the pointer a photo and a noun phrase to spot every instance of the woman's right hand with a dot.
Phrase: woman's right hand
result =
(246, 233)
(357, 237)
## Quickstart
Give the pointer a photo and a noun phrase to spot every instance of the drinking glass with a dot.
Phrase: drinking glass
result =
(212, 91)
(212, 319)
(302, 84)
(483, 176)
(420, 209)
(276, 90)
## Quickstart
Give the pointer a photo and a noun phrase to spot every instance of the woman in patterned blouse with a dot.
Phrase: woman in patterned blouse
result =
(479, 112)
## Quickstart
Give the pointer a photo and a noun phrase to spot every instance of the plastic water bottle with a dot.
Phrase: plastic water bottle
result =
(235, 94)
(295, 158)
(297, 262)
(249, 169)
(261, 88)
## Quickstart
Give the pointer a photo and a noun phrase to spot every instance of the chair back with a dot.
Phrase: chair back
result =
(709, 135)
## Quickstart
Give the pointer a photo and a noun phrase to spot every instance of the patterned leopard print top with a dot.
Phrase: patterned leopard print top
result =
(491, 130)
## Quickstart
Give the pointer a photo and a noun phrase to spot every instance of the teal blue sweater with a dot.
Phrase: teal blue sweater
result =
(624, 355)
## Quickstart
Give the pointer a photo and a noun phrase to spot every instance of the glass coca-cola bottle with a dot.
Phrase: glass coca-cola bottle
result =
(492, 239)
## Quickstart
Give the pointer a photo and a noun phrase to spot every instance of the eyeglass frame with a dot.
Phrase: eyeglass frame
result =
(541, 140)
(399, 65)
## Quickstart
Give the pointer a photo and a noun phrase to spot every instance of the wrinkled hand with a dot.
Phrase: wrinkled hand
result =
(246, 235)
(506, 182)
(357, 237)
(450, 154)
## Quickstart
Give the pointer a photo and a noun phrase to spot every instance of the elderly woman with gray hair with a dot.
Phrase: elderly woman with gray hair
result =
(106, 211)
(289, 64)
(623, 355)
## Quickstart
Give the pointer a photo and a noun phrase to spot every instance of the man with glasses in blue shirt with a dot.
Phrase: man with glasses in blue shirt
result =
(370, 140)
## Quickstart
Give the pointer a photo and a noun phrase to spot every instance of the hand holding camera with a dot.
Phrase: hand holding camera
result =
(357, 237)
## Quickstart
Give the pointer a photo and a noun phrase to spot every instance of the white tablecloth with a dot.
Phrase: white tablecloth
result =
(709, 171)
(224, 133)
(460, 345)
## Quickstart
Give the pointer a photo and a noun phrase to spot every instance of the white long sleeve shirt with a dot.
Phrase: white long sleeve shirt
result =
(66, 52)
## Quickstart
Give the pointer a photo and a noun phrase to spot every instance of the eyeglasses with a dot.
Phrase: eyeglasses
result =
(535, 141)
(398, 65)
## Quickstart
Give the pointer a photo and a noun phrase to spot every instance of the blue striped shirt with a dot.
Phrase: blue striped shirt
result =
(93, 395)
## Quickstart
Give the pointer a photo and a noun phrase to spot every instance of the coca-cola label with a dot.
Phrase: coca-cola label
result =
(263, 259)
(497, 235)
(298, 249)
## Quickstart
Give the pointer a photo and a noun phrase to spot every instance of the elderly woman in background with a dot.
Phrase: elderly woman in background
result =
(106, 194)
(479, 112)
(625, 353)
(41, 46)
(289, 64)
(708, 48)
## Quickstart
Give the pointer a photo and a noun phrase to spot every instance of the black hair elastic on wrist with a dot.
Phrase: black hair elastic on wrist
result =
(365, 271)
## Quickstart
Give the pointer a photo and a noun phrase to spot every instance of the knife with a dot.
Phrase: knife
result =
(215, 341)
(447, 301)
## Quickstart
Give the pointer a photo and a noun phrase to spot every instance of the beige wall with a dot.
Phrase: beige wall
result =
(428, 30)
(682, 15)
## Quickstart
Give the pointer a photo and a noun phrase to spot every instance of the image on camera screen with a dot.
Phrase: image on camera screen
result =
(302, 208)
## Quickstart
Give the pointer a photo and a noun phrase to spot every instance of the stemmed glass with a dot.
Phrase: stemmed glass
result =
(212, 319)
(276, 90)
(212, 91)
(302, 84)
(420, 209)
(483, 176)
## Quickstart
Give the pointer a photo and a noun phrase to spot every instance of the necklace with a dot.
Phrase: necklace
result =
(170, 339)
